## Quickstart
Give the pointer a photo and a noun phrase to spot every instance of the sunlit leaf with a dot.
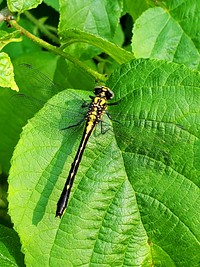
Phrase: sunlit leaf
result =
(21, 6)
(157, 34)
(99, 18)
(6, 72)
(135, 195)
(6, 38)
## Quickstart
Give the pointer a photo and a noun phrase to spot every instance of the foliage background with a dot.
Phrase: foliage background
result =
(148, 215)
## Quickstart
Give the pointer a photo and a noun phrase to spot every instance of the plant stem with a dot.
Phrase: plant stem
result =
(97, 76)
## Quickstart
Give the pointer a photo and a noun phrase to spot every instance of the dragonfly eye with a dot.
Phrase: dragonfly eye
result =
(109, 94)
(98, 90)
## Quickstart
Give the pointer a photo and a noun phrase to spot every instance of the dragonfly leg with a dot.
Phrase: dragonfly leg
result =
(71, 126)
(110, 117)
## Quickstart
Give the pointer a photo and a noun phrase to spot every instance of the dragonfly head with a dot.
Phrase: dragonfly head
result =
(103, 91)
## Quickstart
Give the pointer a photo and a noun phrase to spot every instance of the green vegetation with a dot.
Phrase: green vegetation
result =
(135, 200)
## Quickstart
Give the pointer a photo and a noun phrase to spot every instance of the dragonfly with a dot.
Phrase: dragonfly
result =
(94, 115)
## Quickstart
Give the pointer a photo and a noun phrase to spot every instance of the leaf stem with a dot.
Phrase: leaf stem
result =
(56, 50)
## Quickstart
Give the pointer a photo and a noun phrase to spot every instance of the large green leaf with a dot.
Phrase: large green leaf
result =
(186, 13)
(97, 17)
(135, 197)
(159, 34)
(100, 18)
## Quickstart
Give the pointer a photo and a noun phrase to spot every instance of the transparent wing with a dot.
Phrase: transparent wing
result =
(36, 89)
(32, 81)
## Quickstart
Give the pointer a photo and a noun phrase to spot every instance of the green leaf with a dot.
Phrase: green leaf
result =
(6, 38)
(162, 160)
(135, 8)
(53, 3)
(118, 54)
(188, 16)
(6, 70)
(135, 197)
(10, 254)
(157, 34)
(21, 6)
(99, 18)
